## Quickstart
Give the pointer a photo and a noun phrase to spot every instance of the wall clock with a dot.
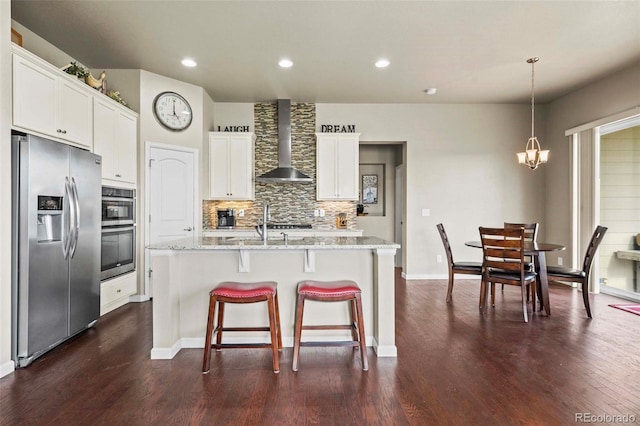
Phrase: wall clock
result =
(172, 111)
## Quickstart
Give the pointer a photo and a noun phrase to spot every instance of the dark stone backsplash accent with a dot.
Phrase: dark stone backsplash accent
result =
(289, 202)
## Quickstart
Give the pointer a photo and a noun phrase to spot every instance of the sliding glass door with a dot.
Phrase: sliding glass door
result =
(618, 146)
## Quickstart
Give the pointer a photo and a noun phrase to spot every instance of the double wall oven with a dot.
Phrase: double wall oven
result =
(118, 231)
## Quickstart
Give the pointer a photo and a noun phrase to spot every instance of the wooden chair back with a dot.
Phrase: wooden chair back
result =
(503, 249)
(530, 230)
(503, 261)
(596, 239)
(445, 242)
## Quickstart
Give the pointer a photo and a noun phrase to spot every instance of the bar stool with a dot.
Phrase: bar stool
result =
(235, 292)
(331, 291)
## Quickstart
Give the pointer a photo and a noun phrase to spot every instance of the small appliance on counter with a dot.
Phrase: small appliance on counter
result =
(226, 218)
(341, 221)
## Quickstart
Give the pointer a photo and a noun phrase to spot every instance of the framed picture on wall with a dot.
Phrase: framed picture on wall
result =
(369, 189)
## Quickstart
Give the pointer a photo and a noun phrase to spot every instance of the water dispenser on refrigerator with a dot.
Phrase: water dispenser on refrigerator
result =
(49, 218)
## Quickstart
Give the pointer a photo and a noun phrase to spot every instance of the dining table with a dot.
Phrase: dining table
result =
(537, 250)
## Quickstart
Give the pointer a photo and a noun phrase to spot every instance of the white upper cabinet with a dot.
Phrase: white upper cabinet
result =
(75, 117)
(231, 165)
(337, 166)
(115, 138)
(49, 102)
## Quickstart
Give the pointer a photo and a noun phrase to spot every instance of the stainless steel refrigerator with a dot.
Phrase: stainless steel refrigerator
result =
(56, 244)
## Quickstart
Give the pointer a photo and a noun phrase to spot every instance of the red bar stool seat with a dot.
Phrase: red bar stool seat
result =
(331, 291)
(236, 292)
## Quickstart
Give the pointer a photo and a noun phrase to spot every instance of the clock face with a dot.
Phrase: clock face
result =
(172, 111)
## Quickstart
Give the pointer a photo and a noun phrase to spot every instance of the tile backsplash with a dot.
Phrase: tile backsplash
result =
(289, 202)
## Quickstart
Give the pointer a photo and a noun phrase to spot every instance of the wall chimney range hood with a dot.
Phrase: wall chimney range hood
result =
(284, 173)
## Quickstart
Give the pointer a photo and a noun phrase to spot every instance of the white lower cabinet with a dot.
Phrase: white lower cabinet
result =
(116, 291)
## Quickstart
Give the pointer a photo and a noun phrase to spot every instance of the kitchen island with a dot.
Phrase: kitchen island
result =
(184, 271)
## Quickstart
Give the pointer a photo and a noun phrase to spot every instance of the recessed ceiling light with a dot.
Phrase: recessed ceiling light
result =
(188, 62)
(382, 63)
(285, 63)
(431, 91)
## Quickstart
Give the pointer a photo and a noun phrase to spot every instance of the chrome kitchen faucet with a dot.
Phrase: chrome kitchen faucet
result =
(265, 217)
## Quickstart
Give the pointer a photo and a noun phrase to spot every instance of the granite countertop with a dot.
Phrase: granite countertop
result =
(253, 229)
(307, 243)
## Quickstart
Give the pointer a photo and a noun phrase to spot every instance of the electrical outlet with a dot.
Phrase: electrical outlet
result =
(241, 213)
(316, 213)
(426, 212)
(439, 258)
(559, 261)
(321, 212)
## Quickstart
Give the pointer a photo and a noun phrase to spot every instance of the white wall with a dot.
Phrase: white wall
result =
(151, 131)
(6, 364)
(233, 114)
(614, 94)
(461, 164)
(41, 47)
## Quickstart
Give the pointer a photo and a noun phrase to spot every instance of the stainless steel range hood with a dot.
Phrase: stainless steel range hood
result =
(284, 173)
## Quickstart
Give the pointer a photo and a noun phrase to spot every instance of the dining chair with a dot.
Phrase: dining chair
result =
(530, 234)
(581, 276)
(503, 262)
(469, 268)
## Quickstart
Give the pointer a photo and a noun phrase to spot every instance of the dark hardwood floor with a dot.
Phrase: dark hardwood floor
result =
(454, 366)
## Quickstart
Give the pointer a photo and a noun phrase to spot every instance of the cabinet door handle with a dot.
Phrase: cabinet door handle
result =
(188, 229)
(117, 175)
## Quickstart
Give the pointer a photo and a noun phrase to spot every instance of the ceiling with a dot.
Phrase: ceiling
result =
(471, 51)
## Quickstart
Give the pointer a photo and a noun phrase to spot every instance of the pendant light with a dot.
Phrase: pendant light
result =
(533, 155)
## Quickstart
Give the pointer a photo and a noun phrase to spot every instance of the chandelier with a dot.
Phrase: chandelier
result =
(533, 155)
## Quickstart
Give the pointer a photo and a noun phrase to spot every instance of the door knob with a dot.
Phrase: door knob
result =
(188, 229)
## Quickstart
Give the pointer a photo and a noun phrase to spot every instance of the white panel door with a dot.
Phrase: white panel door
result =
(171, 195)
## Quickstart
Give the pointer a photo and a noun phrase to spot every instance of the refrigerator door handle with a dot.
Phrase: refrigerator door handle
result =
(76, 225)
(67, 233)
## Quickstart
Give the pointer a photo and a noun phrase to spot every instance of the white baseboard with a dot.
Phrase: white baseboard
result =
(287, 342)
(7, 368)
(139, 298)
(166, 353)
(425, 276)
(388, 351)
(435, 276)
(620, 293)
